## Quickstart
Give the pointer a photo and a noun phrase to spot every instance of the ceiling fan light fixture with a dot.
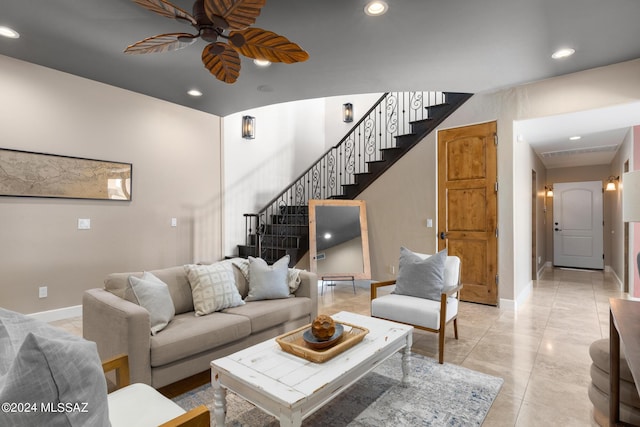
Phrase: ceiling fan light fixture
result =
(262, 63)
(563, 53)
(9, 32)
(376, 8)
(194, 92)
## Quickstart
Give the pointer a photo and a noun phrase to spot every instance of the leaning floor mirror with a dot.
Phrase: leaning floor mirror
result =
(338, 241)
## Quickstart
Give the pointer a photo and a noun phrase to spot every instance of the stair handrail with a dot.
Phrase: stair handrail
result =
(346, 136)
(363, 143)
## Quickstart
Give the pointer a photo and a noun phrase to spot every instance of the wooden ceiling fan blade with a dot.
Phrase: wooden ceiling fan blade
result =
(239, 14)
(166, 9)
(263, 44)
(222, 61)
(162, 43)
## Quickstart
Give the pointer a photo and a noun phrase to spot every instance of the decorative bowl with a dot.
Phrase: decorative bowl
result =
(317, 344)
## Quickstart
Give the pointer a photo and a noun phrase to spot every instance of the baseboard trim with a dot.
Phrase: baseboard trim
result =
(58, 314)
(511, 304)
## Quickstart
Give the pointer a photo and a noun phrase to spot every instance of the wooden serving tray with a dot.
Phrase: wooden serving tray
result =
(292, 342)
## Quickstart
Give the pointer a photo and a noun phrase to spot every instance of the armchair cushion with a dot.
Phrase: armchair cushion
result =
(43, 365)
(140, 404)
(153, 294)
(411, 310)
(421, 275)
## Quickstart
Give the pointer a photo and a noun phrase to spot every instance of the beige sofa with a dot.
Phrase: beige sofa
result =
(188, 343)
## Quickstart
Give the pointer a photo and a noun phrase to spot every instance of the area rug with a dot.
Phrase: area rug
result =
(438, 395)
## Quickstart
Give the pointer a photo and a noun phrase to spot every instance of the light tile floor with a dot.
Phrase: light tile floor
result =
(541, 350)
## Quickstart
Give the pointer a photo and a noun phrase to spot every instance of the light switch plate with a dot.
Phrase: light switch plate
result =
(429, 223)
(84, 223)
(174, 222)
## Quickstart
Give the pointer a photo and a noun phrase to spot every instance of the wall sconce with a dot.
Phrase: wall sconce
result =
(611, 185)
(347, 112)
(248, 127)
(548, 190)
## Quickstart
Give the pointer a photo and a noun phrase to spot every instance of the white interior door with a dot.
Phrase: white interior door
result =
(578, 231)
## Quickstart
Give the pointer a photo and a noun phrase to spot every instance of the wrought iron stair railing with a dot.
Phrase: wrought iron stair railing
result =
(395, 123)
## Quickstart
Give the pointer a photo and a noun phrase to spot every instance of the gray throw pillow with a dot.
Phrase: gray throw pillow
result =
(419, 275)
(43, 366)
(268, 281)
(153, 294)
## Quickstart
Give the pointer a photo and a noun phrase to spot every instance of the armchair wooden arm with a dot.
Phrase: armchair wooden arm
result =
(120, 364)
(197, 417)
(376, 285)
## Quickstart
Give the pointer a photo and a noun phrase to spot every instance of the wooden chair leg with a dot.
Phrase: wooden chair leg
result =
(441, 346)
(455, 327)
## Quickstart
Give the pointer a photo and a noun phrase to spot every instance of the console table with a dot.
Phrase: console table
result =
(624, 316)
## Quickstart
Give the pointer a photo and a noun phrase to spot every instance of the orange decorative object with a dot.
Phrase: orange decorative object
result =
(323, 327)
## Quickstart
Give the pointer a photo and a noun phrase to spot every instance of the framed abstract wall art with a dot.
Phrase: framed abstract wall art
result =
(30, 174)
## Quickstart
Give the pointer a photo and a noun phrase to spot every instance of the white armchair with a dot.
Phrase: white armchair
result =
(422, 313)
(140, 405)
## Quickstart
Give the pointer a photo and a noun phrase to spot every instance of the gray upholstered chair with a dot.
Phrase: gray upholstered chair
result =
(422, 313)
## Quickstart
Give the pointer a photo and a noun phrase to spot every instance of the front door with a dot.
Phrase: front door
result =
(467, 207)
(578, 231)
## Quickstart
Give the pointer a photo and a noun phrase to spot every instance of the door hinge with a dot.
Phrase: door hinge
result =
(497, 279)
(495, 139)
(495, 187)
(497, 233)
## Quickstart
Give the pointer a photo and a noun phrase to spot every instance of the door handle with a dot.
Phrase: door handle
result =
(557, 229)
(443, 235)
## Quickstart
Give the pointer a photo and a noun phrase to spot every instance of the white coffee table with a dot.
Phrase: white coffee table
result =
(291, 388)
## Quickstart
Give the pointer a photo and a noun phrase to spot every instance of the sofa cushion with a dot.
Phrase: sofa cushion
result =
(268, 313)
(268, 281)
(40, 364)
(153, 294)
(188, 335)
(213, 287)
(175, 278)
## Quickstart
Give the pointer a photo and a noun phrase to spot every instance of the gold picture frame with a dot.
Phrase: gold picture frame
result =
(32, 174)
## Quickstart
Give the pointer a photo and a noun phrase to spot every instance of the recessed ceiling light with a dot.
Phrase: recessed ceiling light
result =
(327, 236)
(376, 8)
(194, 92)
(262, 62)
(575, 138)
(563, 53)
(9, 32)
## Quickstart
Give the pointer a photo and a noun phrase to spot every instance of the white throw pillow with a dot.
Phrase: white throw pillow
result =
(153, 294)
(213, 287)
(268, 281)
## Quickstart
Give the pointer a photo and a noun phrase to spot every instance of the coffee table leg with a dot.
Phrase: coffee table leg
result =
(406, 356)
(219, 399)
(291, 420)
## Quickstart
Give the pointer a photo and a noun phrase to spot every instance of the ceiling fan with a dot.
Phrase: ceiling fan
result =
(229, 20)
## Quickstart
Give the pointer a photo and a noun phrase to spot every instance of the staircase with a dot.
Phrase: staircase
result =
(395, 124)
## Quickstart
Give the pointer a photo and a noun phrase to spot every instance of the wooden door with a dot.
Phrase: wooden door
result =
(468, 205)
(578, 231)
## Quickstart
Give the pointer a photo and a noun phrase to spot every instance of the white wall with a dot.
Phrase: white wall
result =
(289, 138)
(175, 152)
(335, 128)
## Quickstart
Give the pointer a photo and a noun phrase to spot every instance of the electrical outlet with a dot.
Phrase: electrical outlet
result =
(84, 223)
(42, 292)
(174, 222)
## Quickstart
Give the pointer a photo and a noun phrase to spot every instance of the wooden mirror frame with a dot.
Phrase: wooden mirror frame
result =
(313, 264)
